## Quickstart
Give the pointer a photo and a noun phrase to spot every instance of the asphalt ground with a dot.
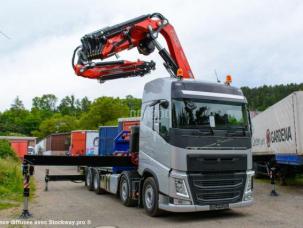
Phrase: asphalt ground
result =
(68, 203)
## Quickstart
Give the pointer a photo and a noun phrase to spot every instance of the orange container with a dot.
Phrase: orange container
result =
(20, 147)
(78, 143)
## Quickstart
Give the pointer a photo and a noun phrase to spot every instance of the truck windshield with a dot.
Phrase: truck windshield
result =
(196, 113)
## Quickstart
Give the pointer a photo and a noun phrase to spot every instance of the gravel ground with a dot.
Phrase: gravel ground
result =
(72, 202)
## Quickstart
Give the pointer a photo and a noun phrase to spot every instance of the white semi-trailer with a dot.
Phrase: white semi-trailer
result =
(278, 136)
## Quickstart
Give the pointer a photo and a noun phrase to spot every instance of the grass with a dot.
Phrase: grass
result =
(4, 205)
(295, 181)
(11, 183)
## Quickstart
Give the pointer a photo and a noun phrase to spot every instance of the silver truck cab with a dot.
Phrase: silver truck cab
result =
(195, 142)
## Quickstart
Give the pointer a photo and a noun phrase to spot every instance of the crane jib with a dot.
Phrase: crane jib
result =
(115, 29)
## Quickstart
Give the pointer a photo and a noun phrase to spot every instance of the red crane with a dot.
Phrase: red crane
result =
(141, 32)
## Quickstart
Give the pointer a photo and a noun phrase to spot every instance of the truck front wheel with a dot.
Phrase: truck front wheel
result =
(150, 197)
(125, 194)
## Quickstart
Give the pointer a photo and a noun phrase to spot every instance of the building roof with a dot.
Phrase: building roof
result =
(18, 138)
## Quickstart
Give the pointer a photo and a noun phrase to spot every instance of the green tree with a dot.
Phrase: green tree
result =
(260, 98)
(18, 104)
(56, 124)
(134, 105)
(69, 106)
(12, 120)
(6, 150)
(46, 103)
(103, 111)
(85, 104)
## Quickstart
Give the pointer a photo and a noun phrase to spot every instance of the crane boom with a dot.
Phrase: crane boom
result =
(141, 32)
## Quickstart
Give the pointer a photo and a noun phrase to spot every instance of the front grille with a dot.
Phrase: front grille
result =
(217, 188)
(216, 163)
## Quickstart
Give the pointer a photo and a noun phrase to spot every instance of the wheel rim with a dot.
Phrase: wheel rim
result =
(149, 197)
(88, 178)
(124, 190)
(96, 182)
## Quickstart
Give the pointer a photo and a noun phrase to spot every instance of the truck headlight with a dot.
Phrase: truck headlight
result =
(249, 186)
(181, 189)
(249, 182)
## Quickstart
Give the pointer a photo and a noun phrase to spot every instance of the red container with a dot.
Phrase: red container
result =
(128, 124)
(124, 124)
(84, 142)
(20, 147)
(78, 143)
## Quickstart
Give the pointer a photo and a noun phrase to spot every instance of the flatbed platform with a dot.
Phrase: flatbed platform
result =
(92, 161)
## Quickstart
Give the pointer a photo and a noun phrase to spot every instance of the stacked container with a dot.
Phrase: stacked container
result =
(56, 144)
(107, 135)
(124, 124)
(84, 142)
(20, 147)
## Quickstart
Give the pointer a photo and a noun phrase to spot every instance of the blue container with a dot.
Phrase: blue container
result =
(107, 134)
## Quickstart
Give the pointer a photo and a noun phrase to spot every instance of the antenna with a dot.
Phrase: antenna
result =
(217, 77)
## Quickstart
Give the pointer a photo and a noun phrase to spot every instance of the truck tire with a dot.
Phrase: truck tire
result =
(150, 197)
(97, 187)
(89, 179)
(124, 191)
(85, 174)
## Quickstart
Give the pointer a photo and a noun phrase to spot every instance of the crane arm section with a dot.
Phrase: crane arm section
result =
(141, 32)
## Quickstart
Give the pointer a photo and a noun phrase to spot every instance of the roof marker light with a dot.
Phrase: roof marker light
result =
(228, 80)
(180, 72)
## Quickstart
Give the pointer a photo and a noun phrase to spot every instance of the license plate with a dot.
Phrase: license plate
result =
(219, 206)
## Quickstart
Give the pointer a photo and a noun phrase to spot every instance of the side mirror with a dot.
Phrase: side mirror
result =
(164, 103)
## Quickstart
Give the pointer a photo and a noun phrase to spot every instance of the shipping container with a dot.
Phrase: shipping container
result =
(278, 131)
(57, 144)
(107, 135)
(84, 142)
(20, 144)
(124, 124)
(92, 143)
(20, 147)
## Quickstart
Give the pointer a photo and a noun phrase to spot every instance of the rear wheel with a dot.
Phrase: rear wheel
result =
(150, 197)
(89, 179)
(125, 195)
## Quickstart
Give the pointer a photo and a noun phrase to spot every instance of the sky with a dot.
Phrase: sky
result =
(257, 42)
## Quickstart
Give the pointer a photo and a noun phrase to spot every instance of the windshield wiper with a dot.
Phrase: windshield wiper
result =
(201, 129)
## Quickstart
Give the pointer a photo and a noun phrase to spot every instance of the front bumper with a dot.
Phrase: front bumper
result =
(209, 185)
(192, 208)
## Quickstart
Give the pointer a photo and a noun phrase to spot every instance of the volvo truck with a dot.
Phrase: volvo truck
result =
(193, 147)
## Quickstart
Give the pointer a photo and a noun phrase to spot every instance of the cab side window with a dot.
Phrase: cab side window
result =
(148, 116)
(163, 121)
(156, 117)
